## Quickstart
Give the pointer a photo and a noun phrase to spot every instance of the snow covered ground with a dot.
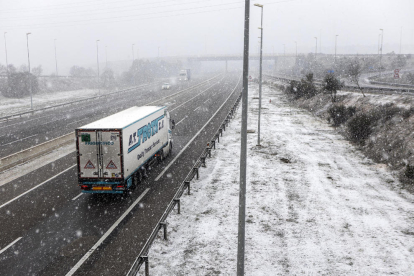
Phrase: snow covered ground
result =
(10, 106)
(315, 205)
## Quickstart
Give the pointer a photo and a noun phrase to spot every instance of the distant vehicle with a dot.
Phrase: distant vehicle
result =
(116, 152)
(166, 86)
(185, 75)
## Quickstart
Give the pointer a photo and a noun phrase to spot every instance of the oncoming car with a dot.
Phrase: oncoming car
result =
(166, 86)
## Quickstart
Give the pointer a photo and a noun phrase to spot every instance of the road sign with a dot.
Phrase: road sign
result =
(396, 73)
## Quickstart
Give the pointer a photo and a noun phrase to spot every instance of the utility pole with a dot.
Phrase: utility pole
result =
(400, 40)
(382, 40)
(106, 56)
(56, 60)
(260, 75)
(336, 36)
(97, 63)
(5, 47)
(30, 79)
(316, 47)
(243, 151)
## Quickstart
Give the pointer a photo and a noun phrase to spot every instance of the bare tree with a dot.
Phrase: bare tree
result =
(354, 71)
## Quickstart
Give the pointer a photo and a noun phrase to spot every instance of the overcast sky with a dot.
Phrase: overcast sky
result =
(195, 27)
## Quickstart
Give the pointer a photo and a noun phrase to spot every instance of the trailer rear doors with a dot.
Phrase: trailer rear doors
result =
(99, 154)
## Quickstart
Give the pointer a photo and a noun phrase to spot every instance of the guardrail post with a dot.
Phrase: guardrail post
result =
(177, 201)
(203, 161)
(223, 126)
(221, 132)
(209, 152)
(213, 143)
(145, 259)
(196, 171)
(164, 225)
(187, 183)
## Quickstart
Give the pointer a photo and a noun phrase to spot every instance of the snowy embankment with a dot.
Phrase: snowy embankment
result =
(10, 106)
(315, 205)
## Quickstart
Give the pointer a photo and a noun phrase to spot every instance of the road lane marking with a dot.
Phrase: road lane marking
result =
(197, 108)
(19, 140)
(76, 197)
(10, 245)
(196, 96)
(192, 139)
(181, 120)
(102, 239)
(35, 187)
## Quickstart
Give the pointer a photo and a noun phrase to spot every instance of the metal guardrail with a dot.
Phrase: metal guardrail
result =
(349, 87)
(194, 172)
(69, 103)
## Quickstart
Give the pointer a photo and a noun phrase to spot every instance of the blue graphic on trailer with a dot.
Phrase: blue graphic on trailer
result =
(145, 133)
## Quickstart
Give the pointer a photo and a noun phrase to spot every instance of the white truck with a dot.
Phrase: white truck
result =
(185, 75)
(115, 152)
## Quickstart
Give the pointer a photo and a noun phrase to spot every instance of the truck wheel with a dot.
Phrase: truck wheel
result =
(161, 157)
(139, 177)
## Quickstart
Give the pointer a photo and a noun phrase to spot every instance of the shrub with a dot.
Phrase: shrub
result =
(340, 114)
(305, 88)
(409, 172)
(359, 127)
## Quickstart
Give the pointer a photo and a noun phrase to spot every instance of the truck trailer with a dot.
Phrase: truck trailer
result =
(115, 152)
(185, 75)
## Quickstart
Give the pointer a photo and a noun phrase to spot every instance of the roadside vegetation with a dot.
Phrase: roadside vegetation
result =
(383, 131)
(14, 82)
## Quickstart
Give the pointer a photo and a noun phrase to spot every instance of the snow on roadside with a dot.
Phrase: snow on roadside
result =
(315, 205)
(10, 106)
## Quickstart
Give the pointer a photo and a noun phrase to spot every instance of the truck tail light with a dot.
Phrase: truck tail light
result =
(84, 187)
(120, 187)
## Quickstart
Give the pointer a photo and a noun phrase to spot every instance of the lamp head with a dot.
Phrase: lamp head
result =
(258, 5)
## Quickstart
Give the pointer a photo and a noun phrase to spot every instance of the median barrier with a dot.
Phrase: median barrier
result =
(33, 152)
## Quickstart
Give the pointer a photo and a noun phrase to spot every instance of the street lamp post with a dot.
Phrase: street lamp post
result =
(5, 47)
(296, 55)
(336, 36)
(382, 39)
(133, 58)
(56, 59)
(106, 56)
(30, 79)
(316, 47)
(260, 75)
(243, 147)
(97, 63)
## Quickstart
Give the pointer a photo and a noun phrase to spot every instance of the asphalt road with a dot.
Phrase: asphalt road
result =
(30, 130)
(53, 226)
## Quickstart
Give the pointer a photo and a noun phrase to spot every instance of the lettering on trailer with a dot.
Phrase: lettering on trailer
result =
(99, 143)
(145, 133)
(89, 165)
(111, 166)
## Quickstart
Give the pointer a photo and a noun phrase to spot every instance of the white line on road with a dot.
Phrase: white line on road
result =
(76, 197)
(35, 187)
(102, 239)
(197, 108)
(19, 140)
(77, 121)
(196, 96)
(7, 247)
(181, 120)
(201, 129)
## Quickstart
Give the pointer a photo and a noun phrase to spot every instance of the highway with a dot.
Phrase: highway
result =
(49, 228)
(28, 131)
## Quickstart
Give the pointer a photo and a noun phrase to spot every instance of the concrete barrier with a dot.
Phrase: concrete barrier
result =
(30, 153)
